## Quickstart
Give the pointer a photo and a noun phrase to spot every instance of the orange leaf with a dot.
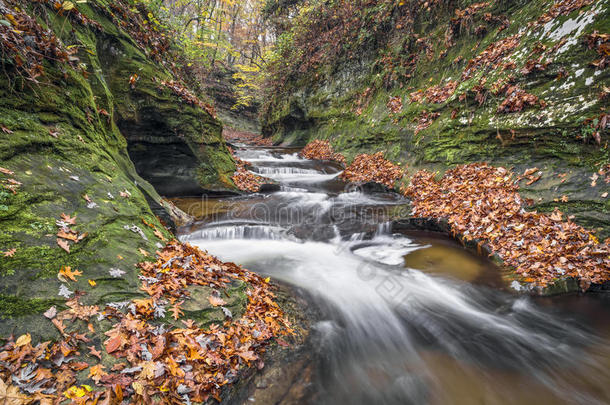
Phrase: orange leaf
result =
(10, 253)
(66, 271)
(113, 344)
(216, 301)
(66, 235)
(63, 244)
(68, 219)
(94, 352)
(175, 310)
(159, 235)
(97, 372)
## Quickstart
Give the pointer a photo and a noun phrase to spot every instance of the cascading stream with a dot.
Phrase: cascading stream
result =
(398, 325)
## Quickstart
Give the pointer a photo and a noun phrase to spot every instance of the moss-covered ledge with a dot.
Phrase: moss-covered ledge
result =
(63, 153)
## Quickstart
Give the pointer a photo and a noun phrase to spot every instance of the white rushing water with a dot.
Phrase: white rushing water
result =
(382, 322)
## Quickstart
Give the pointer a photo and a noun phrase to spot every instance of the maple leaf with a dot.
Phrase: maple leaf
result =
(144, 252)
(66, 271)
(92, 283)
(6, 171)
(9, 253)
(6, 130)
(96, 373)
(216, 301)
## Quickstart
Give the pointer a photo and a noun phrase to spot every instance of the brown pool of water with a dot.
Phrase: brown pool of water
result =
(205, 208)
(444, 256)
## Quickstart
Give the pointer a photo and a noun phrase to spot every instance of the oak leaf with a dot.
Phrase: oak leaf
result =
(94, 352)
(9, 253)
(66, 271)
(216, 301)
(68, 219)
(62, 243)
(96, 373)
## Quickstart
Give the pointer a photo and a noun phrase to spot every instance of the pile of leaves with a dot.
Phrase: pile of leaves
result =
(372, 168)
(482, 202)
(142, 26)
(562, 7)
(244, 179)
(70, 10)
(425, 119)
(440, 94)
(66, 233)
(492, 57)
(175, 364)
(249, 138)
(463, 18)
(185, 94)
(27, 44)
(601, 44)
(518, 99)
(321, 150)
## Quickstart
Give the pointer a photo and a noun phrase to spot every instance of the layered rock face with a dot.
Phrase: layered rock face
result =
(70, 193)
(522, 84)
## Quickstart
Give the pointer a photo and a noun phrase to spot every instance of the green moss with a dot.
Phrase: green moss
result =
(324, 106)
(13, 307)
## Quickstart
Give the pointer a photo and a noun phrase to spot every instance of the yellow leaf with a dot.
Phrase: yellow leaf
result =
(67, 272)
(267, 279)
(67, 5)
(92, 283)
(75, 392)
(137, 387)
(23, 340)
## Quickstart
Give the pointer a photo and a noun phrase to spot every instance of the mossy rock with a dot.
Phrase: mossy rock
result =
(321, 104)
(199, 308)
(72, 158)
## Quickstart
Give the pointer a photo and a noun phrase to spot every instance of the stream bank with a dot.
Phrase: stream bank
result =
(398, 316)
(427, 83)
(91, 138)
